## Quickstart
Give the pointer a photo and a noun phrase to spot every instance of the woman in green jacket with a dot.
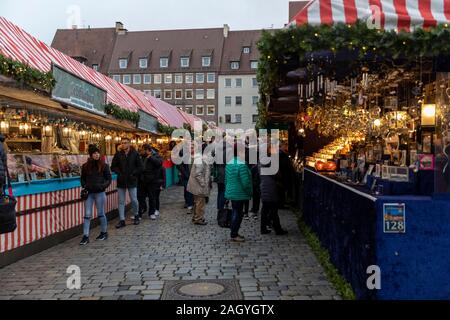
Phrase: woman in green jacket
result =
(238, 189)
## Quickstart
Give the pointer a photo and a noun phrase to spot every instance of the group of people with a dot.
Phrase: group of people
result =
(238, 182)
(138, 172)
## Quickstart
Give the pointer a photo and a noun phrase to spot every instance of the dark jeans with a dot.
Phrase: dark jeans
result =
(188, 197)
(220, 196)
(236, 217)
(256, 200)
(157, 193)
(150, 192)
(246, 206)
(269, 213)
(142, 198)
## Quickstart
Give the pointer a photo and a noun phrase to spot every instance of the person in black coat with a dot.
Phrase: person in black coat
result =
(127, 164)
(141, 189)
(3, 164)
(95, 178)
(152, 177)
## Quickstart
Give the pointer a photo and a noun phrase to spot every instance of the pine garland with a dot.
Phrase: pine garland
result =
(165, 130)
(26, 75)
(121, 114)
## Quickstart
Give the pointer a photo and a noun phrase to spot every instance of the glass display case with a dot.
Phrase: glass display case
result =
(16, 168)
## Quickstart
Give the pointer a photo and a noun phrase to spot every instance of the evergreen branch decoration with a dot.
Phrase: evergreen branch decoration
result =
(121, 114)
(165, 130)
(279, 48)
(26, 75)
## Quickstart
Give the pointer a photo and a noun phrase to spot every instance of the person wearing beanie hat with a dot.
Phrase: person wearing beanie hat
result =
(95, 179)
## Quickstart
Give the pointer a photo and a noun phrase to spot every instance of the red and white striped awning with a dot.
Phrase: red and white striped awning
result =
(21, 46)
(387, 14)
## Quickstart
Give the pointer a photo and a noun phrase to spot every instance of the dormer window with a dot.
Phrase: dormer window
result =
(254, 64)
(246, 49)
(184, 62)
(164, 62)
(206, 61)
(143, 63)
(95, 67)
(123, 63)
(234, 65)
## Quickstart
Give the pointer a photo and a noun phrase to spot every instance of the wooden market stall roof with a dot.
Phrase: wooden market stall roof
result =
(404, 15)
(17, 44)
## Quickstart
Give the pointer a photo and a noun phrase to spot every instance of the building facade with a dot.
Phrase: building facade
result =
(191, 69)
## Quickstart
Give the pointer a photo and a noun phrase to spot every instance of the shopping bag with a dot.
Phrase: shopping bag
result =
(224, 218)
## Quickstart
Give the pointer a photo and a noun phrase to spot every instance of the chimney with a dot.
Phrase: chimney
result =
(119, 26)
(226, 30)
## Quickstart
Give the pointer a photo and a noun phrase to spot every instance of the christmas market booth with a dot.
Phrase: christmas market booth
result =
(365, 92)
(51, 108)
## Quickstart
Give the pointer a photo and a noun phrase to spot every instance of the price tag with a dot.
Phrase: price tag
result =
(394, 218)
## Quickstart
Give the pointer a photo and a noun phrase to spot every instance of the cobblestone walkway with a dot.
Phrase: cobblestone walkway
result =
(135, 261)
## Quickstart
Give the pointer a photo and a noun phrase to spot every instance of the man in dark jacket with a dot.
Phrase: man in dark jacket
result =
(141, 189)
(127, 165)
(3, 164)
(151, 177)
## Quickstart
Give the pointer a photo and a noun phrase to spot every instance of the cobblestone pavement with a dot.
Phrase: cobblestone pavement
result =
(135, 261)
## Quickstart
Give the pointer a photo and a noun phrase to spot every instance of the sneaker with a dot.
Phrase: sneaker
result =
(281, 232)
(156, 212)
(136, 220)
(153, 217)
(237, 239)
(103, 236)
(84, 241)
(201, 223)
(265, 231)
(121, 224)
(246, 217)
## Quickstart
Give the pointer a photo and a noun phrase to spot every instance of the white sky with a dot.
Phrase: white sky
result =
(41, 18)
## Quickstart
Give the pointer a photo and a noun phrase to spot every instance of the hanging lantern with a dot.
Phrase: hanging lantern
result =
(24, 128)
(83, 134)
(66, 132)
(108, 138)
(117, 139)
(48, 131)
(428, 115)
(4, 126)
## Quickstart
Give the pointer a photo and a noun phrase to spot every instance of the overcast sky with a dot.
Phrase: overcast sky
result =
(41, 18)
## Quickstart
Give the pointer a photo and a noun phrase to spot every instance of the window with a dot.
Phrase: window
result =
(189, 78)
(211, 110)
(123, 63)
(246, 49)
(239, 101)
(254, 64)
(180, 108)
(199, 94)
(189, 94)
(200, 78)
(168, 78)
(199, 110)
(137, 79)
(234, 65)
(157, 93)
(116, 77)
(157, 79)
(211, 78)
(178, 94)
(188, 109)
(228, 118)
(227, 83)
(206, 61)
(238, 83)
(148, 92)
(143, 63)
(147, 78)
(95, 67)
(228, 101)
(178, 78)
(164, 62)
(255, 118)
(254, 82)
(126, 79)
(184, 62)
(255, 100)
(238, 118)
(210, 94)
(167, 94)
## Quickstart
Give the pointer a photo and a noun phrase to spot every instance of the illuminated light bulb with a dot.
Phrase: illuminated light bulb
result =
(377, 122)
(429, 110)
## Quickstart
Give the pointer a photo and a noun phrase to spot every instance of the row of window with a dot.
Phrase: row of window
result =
(238, 82)
(238, 118)
(180, 94)
(164, 62)
(168, 78)
(238, 101)
(184, 63)
(200, 110)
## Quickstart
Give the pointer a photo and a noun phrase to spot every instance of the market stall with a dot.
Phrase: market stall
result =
(374, 191)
